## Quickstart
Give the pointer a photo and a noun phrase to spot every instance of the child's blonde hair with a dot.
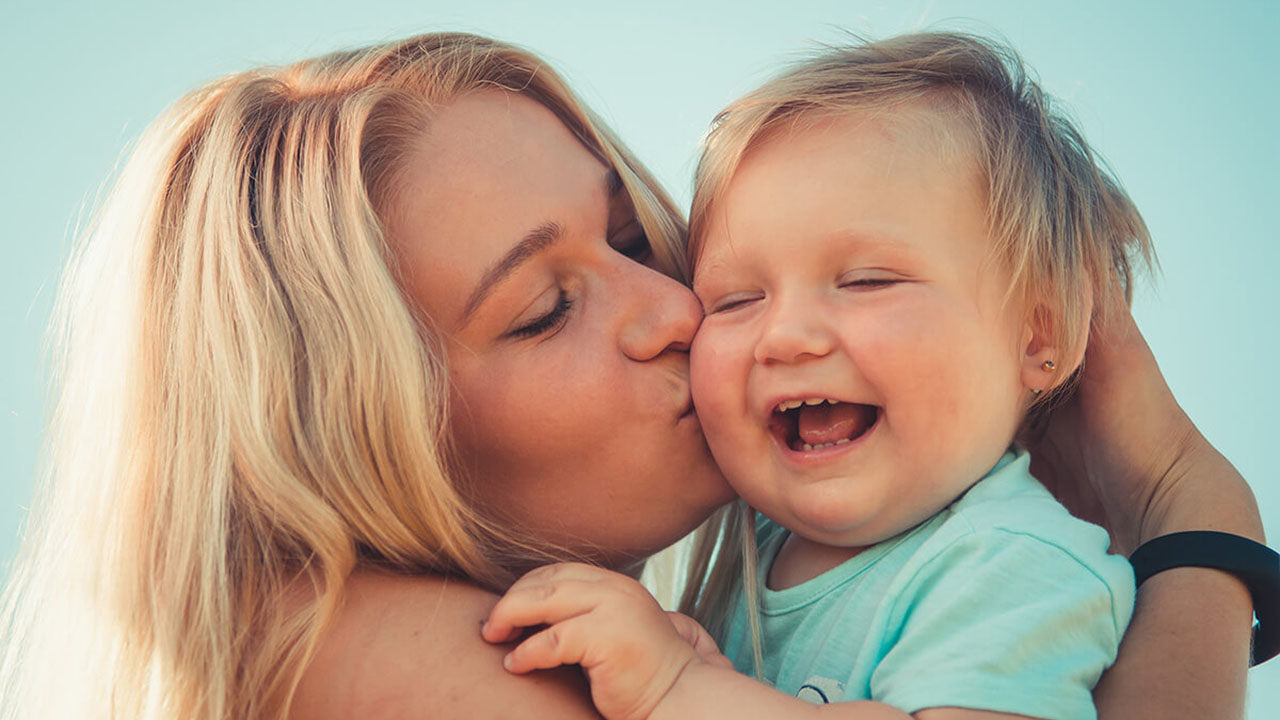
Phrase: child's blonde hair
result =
(1058, 220)
(248, 408)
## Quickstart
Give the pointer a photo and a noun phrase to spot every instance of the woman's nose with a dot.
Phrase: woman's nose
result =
(792, 332)
(662, 315)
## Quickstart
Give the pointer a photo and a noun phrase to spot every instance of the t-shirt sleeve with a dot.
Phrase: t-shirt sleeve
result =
(1007, 622)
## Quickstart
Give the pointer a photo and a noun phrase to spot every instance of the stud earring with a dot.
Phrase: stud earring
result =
(1048, 366)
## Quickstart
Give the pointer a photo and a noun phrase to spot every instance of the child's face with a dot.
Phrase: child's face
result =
(849, 260)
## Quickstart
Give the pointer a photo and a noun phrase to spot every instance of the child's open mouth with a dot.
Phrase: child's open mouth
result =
(818, 423)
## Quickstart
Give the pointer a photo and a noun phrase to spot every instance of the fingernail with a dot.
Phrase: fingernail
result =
(484, 627)
(506, 661)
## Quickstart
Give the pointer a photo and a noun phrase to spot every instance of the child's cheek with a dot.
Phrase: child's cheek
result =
(709, 369)
(718, 370)
(898, 337)
(901, 349)
(927, 357)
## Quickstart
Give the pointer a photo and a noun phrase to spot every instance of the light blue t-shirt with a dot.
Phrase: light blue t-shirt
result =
(1002, 601)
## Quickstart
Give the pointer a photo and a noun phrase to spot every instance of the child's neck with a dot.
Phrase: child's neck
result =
(800, 560)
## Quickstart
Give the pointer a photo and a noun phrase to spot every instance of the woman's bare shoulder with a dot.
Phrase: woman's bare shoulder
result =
(408, 647)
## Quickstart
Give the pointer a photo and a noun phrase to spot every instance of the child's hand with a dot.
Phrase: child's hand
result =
(699, 638)
(632, 651)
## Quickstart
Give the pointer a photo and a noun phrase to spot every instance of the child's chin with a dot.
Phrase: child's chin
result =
(840, 512)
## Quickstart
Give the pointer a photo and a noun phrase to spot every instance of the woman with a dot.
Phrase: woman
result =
(359, 337)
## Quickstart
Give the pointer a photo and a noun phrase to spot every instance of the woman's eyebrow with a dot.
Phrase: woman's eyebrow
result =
(534, 241)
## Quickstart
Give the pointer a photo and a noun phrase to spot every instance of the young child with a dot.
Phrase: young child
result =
(896, 246)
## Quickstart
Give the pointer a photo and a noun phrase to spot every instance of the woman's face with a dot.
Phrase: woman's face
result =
(568, 355)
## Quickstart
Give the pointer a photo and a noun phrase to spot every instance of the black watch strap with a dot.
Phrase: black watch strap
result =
(1257, 566)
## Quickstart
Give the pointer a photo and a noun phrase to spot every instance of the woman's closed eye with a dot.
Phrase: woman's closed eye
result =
(549, 322)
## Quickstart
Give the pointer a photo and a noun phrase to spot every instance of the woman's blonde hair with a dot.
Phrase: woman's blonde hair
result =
(247, 406)
(1058, 219)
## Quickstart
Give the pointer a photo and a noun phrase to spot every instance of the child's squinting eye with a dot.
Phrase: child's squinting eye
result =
(736, 301)
(869, 281)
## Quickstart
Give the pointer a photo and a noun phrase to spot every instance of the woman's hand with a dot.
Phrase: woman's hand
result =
(1122, 453)
(632, 651)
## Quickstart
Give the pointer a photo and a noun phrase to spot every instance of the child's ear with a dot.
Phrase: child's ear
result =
(1040, 371)
(1043, 363)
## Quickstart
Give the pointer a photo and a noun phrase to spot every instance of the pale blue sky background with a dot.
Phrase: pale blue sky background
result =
(1180, 97)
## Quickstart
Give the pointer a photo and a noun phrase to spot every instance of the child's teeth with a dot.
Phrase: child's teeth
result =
(786, 405)
(823, 446)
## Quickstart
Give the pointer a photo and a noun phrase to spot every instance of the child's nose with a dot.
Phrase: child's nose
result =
(793, 332)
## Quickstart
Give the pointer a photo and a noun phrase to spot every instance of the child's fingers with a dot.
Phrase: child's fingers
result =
(498, 634)
(540, 604)
(579, 572)
(553, 593)
(561, 644)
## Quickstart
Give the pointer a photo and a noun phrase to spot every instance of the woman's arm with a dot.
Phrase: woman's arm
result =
(410, 647)
(1186, 653)
(1124, 454)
